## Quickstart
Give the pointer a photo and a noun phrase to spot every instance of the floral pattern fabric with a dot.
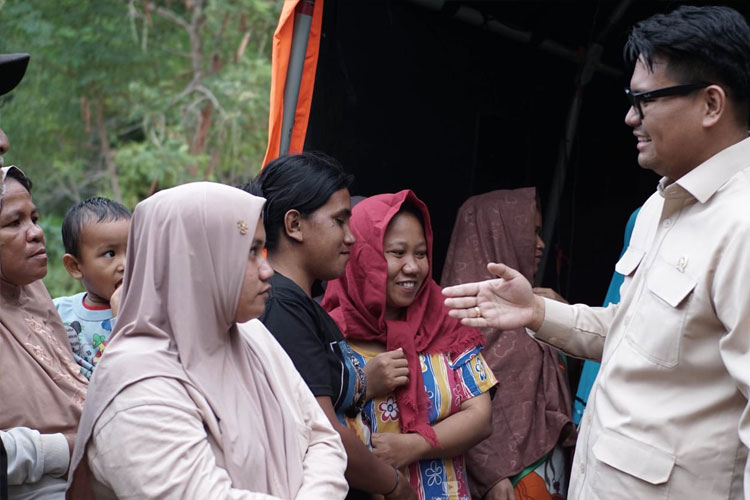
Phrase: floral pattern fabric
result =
(448, 382)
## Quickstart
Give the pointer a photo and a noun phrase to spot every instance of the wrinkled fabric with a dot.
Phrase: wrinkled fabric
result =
(187, 252)
(40, 384)
(357, 302)
(531, 410)
(668, 415)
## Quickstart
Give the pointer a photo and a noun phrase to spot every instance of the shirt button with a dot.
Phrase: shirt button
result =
(667, 223)
(582, 468)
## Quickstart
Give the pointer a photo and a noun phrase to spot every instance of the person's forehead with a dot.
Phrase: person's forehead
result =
(643, 74)
(339, 202)
(15, 197)
(94, 230)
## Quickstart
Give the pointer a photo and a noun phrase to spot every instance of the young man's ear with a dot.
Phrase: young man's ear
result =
(72, 266)
(293, 225)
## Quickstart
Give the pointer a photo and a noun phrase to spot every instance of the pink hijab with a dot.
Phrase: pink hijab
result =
(532, 407)
(41, 386)
(188, 249)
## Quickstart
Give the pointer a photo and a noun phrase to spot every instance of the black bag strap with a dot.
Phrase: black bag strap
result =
(3, 472)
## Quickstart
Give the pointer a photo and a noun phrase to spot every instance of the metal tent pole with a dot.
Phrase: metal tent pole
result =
(302, 22)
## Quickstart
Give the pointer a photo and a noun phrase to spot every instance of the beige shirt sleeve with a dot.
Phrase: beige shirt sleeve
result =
(732, 304)
(577, 329)
(170, 457)
(32, 455)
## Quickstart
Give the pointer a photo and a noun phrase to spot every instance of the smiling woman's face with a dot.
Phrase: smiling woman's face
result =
(405, 251)
(23, 259)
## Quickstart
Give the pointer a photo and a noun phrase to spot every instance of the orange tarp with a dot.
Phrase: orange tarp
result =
(282, 46)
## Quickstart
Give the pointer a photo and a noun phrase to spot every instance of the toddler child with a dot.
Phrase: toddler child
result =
(95, 235)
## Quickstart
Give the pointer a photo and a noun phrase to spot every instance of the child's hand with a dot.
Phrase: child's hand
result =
(114, 300)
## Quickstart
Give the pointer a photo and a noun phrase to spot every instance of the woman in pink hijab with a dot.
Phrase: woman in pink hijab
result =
(524, 458)
(186, 403)
(41, 386)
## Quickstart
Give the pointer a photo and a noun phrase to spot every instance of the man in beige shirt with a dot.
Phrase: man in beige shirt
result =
(668, 417)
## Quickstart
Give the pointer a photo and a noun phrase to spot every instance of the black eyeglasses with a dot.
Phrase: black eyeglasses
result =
(637, 98)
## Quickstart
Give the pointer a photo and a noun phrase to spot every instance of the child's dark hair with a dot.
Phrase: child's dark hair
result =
(96, 209)
(302, 182)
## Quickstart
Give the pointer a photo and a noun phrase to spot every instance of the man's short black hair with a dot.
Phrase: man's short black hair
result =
(96, 209)
(699, 44)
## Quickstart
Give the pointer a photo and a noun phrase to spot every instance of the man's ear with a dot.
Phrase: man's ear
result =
(72, 266)
(715, 100)
(293, 225)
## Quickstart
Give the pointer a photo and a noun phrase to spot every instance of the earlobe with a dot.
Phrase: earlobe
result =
(72, 266)
(715, 101)
(293, 225)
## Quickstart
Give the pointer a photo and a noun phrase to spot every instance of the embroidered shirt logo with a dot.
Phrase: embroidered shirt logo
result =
(242, 227)
(682, 264)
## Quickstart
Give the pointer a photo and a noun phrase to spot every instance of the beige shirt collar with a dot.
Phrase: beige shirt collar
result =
(705, 179)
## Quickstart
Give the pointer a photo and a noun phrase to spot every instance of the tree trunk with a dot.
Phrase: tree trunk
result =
(107, 153)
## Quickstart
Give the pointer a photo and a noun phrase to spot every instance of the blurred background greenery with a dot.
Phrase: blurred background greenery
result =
(123, 98)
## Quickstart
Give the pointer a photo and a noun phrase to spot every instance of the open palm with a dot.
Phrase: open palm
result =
(504, 303)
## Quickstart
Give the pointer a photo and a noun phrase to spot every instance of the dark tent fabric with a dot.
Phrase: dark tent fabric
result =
(407, 96)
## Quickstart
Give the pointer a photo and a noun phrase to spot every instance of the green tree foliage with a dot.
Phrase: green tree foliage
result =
(123, 98)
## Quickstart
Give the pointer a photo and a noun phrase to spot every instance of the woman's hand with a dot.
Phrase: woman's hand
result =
(501, 491)
(385, 373)
(399, 450)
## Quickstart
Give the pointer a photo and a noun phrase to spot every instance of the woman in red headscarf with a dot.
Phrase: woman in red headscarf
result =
(387, 300)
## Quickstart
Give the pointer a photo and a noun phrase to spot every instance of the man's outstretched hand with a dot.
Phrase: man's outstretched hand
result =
(505, 303)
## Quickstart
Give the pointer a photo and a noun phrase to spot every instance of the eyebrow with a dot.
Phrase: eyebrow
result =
(258, 241)
(344, 211)
(19, 213)
(110, 244)
(404, 242)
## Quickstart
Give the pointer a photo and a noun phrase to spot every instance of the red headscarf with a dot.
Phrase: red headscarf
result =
(357, 302)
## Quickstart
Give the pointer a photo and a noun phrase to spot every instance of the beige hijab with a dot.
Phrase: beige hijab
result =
(188, 249)
(41, 386)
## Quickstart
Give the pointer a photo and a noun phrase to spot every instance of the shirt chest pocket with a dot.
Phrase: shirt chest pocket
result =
(658, 319)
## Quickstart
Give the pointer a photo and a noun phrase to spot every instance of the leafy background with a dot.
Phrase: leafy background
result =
(123, 98)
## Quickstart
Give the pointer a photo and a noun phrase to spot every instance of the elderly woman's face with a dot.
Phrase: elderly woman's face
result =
(23, 258)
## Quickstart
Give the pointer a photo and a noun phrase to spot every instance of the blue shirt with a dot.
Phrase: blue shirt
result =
(88, 330)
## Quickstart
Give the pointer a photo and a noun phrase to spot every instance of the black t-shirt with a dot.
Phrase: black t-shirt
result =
(315, 344)
(309, 336)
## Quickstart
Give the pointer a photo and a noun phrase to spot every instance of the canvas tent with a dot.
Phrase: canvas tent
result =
(455, 98)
